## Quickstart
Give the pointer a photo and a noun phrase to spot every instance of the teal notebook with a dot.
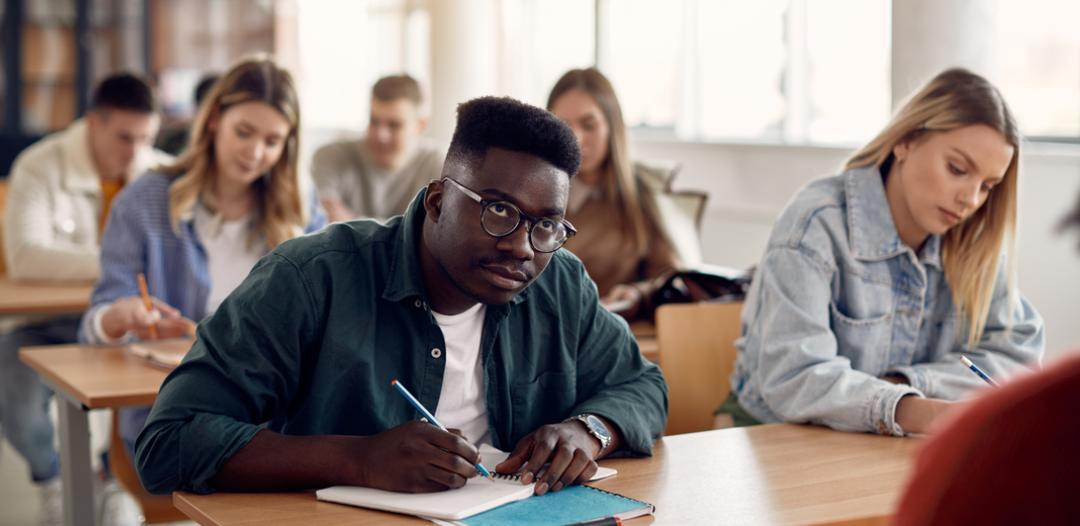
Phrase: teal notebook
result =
(571, 505)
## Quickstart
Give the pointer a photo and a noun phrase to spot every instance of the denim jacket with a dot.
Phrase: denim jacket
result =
(839, 301)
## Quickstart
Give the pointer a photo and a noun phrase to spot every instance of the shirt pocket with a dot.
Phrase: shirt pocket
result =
(546, 399)
(865, 342)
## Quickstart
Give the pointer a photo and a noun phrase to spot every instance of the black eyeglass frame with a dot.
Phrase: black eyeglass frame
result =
(529, 220)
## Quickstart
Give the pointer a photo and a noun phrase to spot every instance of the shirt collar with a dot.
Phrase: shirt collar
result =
(872, 233)
(406, 279)
(80, 173)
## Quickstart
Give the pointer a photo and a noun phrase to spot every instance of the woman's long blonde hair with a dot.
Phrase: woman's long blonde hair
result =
(971, 251)
(280, 214)
(619, 185)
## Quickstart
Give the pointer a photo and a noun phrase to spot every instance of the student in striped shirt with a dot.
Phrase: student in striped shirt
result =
(197, 227)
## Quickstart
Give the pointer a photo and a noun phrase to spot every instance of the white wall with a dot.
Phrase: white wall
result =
(929, 36)
(748, 186)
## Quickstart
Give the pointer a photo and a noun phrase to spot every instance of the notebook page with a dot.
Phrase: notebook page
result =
(479, 494)
(165, 352)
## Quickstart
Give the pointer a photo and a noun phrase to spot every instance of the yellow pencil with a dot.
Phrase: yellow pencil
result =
(145, 292)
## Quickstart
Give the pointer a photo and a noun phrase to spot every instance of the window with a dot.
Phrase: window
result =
(1038, 65)
(779, 70)
(847, 70)
(541, 40)
(783, 70)
(644, 50)
(736, 93)
(344, 46)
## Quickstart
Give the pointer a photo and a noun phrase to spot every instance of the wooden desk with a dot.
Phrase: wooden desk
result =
(773, 474)
(88, 378)
(645, 333)
(42, 298)
(106, 377)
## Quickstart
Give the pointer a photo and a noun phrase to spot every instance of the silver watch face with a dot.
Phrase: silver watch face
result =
(597, 427)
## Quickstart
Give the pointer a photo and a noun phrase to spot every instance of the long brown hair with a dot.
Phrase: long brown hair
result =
(972, 250)
(280, 212)
(619, 185)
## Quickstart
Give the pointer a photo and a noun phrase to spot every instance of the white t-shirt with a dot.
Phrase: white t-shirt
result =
(229, 255)
(462, 402)
(229, 259)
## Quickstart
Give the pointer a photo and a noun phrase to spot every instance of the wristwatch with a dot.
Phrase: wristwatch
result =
(596, 428)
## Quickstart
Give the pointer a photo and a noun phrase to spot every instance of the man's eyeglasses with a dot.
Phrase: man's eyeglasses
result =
(501, 218)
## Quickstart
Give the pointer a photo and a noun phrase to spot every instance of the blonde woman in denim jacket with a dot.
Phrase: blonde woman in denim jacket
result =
(875, 282)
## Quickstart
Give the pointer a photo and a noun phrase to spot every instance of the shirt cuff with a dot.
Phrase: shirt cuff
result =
(883, 409)
(99, 330)
(917, 378)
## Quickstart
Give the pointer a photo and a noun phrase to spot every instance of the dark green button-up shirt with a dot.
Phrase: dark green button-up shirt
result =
(309, 342)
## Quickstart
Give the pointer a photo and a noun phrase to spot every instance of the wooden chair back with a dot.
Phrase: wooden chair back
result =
(697, 356)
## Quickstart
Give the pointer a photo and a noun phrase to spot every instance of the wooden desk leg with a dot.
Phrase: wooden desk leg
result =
(75, 472)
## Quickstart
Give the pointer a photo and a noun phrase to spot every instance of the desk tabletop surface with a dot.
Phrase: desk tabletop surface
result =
(42, 298)
(771, 474)
(96, 376)
(108, 376)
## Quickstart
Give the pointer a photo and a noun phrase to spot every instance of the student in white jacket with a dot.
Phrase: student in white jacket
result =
(59, 195)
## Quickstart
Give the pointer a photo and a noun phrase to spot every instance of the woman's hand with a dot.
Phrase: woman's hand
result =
(130, 314)
(624, 300)
(915, 414)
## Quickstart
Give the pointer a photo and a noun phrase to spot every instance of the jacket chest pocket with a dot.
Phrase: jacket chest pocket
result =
(545, 400)
(865, 342)
(75, 220)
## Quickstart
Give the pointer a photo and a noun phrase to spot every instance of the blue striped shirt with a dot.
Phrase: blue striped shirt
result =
(139, 238)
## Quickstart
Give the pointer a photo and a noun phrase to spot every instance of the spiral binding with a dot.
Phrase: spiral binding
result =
(508, 477)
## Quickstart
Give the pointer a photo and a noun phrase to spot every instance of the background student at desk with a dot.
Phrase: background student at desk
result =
(467, 300)
(875, 281)
(377, 176)
(623, 243)
(61, 191)
(196, 228)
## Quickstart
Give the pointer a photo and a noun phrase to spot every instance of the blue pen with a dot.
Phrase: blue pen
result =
(430, 417)
(975, 369)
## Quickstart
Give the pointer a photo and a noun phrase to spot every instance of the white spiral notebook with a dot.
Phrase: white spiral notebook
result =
(479, 494)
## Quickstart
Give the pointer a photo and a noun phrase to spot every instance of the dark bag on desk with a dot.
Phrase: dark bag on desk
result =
(702, 284)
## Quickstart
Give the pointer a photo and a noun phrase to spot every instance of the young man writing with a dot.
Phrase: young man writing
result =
(466, 300)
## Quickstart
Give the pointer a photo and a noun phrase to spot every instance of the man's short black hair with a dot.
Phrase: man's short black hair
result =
(502, 122)
(124, 91)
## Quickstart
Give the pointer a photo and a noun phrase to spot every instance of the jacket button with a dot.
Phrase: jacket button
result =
(436, 353)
